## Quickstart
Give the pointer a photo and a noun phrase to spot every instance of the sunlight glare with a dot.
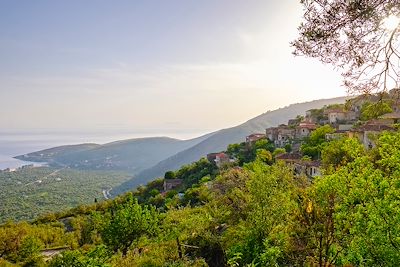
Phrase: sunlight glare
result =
(391, 23)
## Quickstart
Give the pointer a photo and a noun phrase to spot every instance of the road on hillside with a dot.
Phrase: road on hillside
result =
(46, 177)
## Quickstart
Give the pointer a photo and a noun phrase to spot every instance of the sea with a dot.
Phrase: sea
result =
(15, 143)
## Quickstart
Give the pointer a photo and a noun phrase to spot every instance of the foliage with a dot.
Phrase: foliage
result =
(192, 173)
(352, 35)
(340, 152)
(126, 223)
(371, 111)
(97, 257)
(314, 144)
(169, 175)
(318, 114)
(271, 203)
(28, 193)
(260, 214)
(264, 155)
(23, 242)
(245, 153)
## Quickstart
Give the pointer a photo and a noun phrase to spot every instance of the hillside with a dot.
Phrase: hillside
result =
(49, 155)
(214, 217)
(31, 192)
(221, 139)
(131, 155)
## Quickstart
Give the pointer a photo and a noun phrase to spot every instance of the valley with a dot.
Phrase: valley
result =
(29, 192)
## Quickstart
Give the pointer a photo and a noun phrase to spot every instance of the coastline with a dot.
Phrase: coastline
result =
(8, 162)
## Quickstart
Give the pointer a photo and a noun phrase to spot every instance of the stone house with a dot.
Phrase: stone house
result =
(254, 137)
(219, 158)
(304, 129)
(367, 132)
(211, 157)
(272, 133)
(335, 115)
(311, 168)
(391, 118)
(289, 157)
(301, 167)
(170, 184)
(344, 127)
(285, 135)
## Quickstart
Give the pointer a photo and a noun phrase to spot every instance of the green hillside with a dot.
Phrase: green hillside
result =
(131, 155)
(255, 213)
(30, 192)
(221, 139)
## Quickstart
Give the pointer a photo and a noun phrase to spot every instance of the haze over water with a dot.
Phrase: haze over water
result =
(14, 143)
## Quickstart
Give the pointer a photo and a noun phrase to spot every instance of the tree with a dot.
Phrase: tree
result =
(271, 201)
(316, 141)
(97, 257)
(169, 175)
(374, 110)
(359, 36)
(30, 248)
(340, 152)
(352, 216)
(127, 223)
(264, 155)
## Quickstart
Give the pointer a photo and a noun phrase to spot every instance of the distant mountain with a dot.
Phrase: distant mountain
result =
(133, 155)
(221, 139)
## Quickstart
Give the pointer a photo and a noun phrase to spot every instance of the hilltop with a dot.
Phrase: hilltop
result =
(221, 139)
(149, 158)
(261, 204)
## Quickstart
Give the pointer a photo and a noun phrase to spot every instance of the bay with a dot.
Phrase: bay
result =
(18, 143)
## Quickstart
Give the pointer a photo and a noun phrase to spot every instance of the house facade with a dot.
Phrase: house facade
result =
(219, 158)
(304, 129)
(254, 137)
(301, 167)
(336, 115)
(170, 184)
(366, 133)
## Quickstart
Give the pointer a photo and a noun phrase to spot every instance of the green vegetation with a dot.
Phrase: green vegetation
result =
(126, 223)
(371, 111)
(125, 155)
(28, 193)
(218, 141)
(260, 214)
(314, 144)
(244, 153)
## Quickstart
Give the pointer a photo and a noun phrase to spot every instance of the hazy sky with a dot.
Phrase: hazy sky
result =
(156, 66)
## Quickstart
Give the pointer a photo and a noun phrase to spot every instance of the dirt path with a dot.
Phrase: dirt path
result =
(45, 177)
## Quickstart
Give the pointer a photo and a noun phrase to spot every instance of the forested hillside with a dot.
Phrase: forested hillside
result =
(131, 155)
(221, 139)
(255, 212)
(29, 192)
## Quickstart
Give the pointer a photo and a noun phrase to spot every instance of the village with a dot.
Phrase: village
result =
(347, 120)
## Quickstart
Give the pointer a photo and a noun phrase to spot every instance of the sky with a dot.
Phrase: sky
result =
(176, 67)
